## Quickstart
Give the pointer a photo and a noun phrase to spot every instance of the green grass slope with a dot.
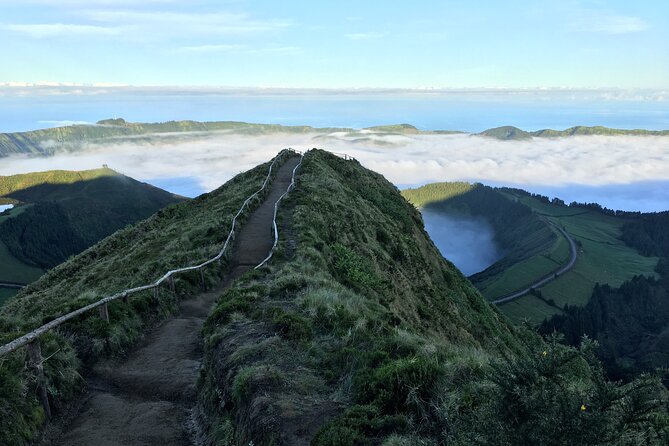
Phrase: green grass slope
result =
(178, 235)
(360, 333)
(603, 257)
(535, 248)
(61, 213)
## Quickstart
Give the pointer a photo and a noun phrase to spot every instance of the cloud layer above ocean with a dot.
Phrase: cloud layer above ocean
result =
(211, 159)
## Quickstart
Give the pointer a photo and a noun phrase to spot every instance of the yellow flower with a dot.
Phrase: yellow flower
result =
(582, 406)
(545, 353)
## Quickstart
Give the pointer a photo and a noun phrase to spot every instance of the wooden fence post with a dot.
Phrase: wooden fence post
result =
(204, 285)
(104, 312)
(156, 290)
(172, 284)
(125, 298)
(35, 363)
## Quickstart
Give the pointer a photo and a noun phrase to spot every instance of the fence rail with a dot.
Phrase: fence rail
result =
(32, 336)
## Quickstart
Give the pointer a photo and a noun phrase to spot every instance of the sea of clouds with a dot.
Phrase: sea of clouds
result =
(630, 166)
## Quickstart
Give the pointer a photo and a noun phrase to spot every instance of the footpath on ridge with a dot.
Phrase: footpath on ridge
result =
(148, 397)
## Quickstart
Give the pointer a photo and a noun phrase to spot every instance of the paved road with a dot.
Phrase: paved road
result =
(546, 279)
(12, 285)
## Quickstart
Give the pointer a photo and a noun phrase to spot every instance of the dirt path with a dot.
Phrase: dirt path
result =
(147, 398)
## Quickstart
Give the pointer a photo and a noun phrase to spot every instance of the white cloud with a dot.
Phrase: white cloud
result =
(411, 159)
(44, 30)
(214, 23)
(608, 24)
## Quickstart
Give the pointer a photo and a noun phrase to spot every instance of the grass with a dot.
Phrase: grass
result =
(13, 270)
(529, 308)
(602, 256)
(525, 272)
(362, 334)
(179, 235)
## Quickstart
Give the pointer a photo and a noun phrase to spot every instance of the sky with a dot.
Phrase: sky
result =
(342, 44)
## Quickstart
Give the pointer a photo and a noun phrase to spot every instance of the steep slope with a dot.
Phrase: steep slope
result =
(359, 332)
(176, 236)
(66, 211)
(518, 231)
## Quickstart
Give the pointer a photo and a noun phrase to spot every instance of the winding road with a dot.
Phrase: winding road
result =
(12, 285)
(548, 278)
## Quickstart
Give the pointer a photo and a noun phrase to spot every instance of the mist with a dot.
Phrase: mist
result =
(621, 172)
(468, 242)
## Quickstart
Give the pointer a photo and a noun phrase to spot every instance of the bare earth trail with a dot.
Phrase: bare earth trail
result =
(147, 398)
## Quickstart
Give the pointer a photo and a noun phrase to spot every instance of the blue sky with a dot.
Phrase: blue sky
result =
(342, 44)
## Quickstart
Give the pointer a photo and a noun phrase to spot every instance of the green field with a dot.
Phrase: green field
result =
(526, 272)
(602, 258)
(13, 270)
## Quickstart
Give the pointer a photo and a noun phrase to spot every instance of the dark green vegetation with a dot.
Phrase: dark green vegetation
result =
(532, 247)
(359, 332)
(61, 213)
(631, 322)
(603, 257)
(535, 249)
(176, 236)
(514, 133)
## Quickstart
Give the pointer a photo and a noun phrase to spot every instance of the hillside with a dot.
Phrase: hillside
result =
(528, 242)
(506, 133)
(61, 213)
(358, 332)
(526, 226)
(48, 142)
(514, 133)
(630, 322)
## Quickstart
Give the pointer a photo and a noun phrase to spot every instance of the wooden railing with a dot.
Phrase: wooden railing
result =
(32, 336)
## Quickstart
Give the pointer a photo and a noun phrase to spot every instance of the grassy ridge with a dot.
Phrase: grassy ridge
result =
(360, 333)
(177, 236)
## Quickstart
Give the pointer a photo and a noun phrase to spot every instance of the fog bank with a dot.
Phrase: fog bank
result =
(467, 242)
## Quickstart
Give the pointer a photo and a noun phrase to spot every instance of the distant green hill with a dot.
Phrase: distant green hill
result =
(50, 141)
(357, 333)
(47, 142)
(514, 133)
(61, 213)
(506, 133)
